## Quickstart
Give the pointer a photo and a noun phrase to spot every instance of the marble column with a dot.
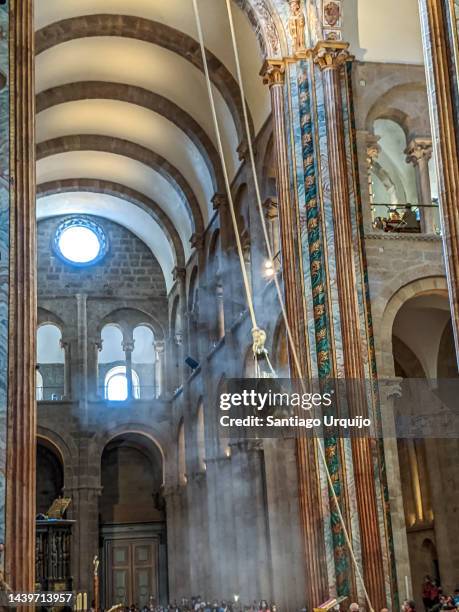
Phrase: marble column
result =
(418, 153)
(439, 33)
(331, 57)
(273, 73)
(21, 428)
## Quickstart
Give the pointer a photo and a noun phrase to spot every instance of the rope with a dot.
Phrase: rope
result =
(247, 289)
(280, 296)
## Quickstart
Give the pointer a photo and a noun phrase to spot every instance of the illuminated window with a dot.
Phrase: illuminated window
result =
(80, 241)
(116, 384)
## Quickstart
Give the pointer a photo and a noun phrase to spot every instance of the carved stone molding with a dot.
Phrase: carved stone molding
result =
(418, 149)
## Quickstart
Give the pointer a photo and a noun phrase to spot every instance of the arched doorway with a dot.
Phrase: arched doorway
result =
(423, 353)
(132, 522)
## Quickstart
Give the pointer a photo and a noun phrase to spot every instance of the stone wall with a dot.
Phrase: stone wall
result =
(128, 269)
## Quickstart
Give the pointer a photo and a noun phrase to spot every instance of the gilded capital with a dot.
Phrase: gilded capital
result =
(273, 72)
(418, 149)
(331, 54)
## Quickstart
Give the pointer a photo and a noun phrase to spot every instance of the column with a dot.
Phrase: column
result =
(272, 221)
(21, 428)
(439, 32)
(81, 363)
(331, 57)
(67, 373)
(273, 73)
(159, 367)
(128, 347)
(220, 309)
(220, 204)
(418, 153)
(94, 348)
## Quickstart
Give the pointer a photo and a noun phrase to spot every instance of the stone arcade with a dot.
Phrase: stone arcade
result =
(122, 312)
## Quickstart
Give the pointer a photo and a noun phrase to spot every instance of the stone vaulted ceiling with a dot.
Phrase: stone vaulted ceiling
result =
(124, 128)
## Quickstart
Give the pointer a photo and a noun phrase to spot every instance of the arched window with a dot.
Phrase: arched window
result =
(116, 384)
(144, 359)
(51, 361)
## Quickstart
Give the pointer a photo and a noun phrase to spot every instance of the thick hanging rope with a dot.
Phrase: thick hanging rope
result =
(248, 292)
(280, 296)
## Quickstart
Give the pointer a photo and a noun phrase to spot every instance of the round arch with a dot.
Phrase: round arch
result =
(419, 286)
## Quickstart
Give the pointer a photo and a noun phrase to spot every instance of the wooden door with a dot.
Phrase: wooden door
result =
(132, 572)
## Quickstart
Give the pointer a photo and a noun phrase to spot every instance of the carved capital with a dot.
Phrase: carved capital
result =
(159, 346)
(373, 148)
(271, 208)
(197, 241)
(331, 55)
(418, 149)
(128, 346)
(178, 273)
(219, 201)
(178, 338)
(273, 72)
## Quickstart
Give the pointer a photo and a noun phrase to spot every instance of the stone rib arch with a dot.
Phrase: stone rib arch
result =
(125, 193)
(90, 90)
(118, 146)
(152, 32)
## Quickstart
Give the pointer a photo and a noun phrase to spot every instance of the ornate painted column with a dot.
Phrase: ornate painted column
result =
(273, 73)
(18, 241)
(331, 58)
(441, 52)
(418, 153)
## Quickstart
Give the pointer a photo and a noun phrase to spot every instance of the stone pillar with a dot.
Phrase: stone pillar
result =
(331, 56)
(94, 348)
(220, 309)
(440, 49)
(272, 221)
(159, 367)
(310, 505)
(418, 153)
(128, 347)
(21, 423)
(229, 265)
(81, 363)
(67, 372)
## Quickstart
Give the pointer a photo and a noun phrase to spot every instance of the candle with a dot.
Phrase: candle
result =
(407, 588)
